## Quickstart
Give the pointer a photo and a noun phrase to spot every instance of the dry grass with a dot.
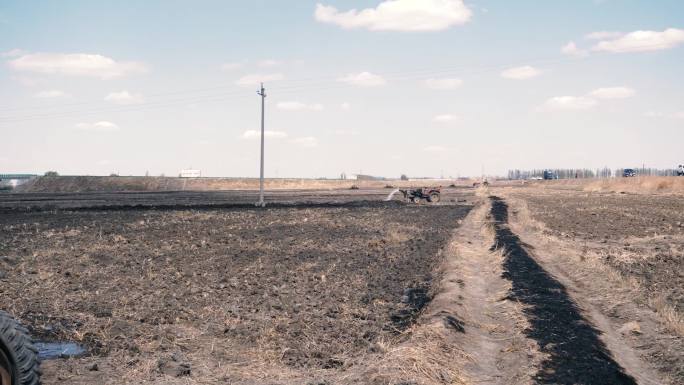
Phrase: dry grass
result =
(637, 185)
(140, 183)
(590, 260)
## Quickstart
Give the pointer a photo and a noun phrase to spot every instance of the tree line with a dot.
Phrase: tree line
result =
(580, 173)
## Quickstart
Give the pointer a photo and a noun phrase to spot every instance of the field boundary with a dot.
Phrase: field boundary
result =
(606, 299)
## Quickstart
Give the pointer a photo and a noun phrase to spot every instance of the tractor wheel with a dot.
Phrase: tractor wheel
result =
(434, 198)
(18, 357)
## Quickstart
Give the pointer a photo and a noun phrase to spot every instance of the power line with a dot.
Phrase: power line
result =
(216, 93)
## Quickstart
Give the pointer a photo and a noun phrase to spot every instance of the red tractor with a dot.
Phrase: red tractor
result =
(430, 194)
(18, 357)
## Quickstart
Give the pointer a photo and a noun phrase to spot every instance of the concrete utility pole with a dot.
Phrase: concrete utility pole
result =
(261, 203)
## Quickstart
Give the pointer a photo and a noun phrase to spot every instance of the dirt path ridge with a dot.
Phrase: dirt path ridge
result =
(574, 352)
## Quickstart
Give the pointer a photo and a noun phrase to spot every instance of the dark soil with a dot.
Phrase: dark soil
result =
(309, 289)
(641, 236)
(576, 355)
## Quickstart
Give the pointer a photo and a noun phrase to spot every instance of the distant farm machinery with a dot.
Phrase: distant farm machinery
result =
(429, 194)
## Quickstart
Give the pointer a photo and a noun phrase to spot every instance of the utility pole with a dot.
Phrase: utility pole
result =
(261, 203)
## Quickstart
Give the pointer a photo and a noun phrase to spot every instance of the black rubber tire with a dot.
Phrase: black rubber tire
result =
(18, 348)
(434, 198)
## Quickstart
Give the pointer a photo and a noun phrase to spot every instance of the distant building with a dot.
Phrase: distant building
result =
(10, 181)
(190, 173)
(368, 177)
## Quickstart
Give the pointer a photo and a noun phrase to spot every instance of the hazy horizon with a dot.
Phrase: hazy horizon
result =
(422, 88)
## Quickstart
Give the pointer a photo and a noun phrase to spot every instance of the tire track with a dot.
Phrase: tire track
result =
(574, 353)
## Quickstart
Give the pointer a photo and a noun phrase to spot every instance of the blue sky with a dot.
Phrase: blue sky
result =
(424, 87)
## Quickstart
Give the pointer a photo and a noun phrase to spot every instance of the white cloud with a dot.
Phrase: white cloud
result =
(50, 94)
(572, 50)
(345, 106)
(443, 83)
(124, 98)
(570, 103)
(254, 134)
(363, 79)
(520, 73)
(232, 66)
(600, 35)
(640, 41)
(445, 118)
(435, 149)
(75, 64)
(13, 53)
(306, 141)
(268, 63)
(399, 15)
(612, 93)
(255, 79)
(298, 106)
(102, 126)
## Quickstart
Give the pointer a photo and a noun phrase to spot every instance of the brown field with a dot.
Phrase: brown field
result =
(627, 250)
(526, 283)
(73, 184)
(288, 295)
(635, 185)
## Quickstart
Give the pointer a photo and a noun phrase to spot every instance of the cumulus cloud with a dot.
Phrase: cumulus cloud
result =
(363, 79)
(256, 79)
(443, 83)
(399, 15)
(600, 35)
(268, 63)
(298, 106)
(101, 126)
(572, 50)
(612, 93)
(570, 103)
(640, 41)
(124, 98)
(49, 94)
(306, 141)
(75, 64)
(232, 66)
(590, 100)
(520, 73)
(435, 149)
(255, 134)
(13, 53)
(445, 118)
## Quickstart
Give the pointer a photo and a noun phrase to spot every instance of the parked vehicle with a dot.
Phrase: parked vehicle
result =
(548, 175)
(628, 173)
(18, 357)
(429, 194)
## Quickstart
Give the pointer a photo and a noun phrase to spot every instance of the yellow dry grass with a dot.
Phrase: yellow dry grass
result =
(636, 185)
(141, 183)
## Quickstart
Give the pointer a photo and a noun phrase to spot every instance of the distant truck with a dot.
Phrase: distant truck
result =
(628, 173)
(548, 175)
